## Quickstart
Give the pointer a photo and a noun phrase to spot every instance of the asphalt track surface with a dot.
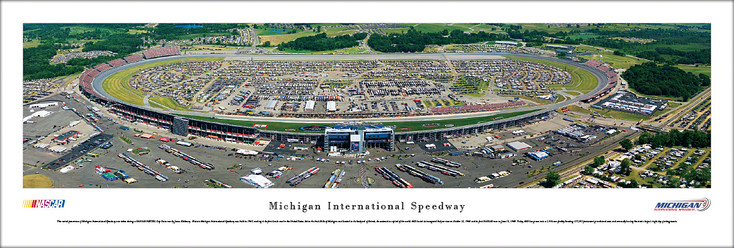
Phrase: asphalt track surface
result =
(601, 79)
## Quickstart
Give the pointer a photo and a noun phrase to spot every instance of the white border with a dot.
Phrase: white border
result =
(37, 227)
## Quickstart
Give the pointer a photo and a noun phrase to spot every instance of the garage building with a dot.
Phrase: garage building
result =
(518, 146)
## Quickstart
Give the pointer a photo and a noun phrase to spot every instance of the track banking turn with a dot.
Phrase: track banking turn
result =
(602, 82)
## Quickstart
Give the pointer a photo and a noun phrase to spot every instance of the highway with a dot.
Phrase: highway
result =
(601, 77)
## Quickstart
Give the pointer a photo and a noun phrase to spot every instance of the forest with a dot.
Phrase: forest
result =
(415, 41)
(321, 42)
(664, 80)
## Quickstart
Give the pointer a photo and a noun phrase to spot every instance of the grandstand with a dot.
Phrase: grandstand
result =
(133, 58)
(475, 108)
(611, 74)
(102, 67)
(86, 78)
(593, 63)
(601, 93)
(604, 68)
(91, 72)
(161, 52)
(116, 62)
(613, 80)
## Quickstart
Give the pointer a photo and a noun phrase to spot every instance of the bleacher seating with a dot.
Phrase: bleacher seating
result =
(593, 63)
(133, 58)
(611, 74)
(92, 72)
(161, 52)
(604, 68)
(102, 67)
(601, 93)
(116, 62)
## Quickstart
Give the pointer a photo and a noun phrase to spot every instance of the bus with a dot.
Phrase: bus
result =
(94, 155)
(184, 143)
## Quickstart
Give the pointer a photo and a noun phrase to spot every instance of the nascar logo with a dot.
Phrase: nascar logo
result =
(43, 203)
(684, 205)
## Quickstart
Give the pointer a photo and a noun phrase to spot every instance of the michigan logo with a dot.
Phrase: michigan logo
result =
(43, 203)
(683, 205)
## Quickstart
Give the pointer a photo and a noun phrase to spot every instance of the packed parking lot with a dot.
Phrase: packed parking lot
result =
(150, 166)
(699, 118)
(347, 88)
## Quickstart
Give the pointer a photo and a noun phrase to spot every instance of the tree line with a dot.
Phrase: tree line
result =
(683, 44)
(666, 80)
(172, 31)
(321, 42)
(36, 63)
(674, 137)
(416, 41)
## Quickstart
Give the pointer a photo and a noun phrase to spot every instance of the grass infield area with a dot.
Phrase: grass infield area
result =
(581, 80)
(406, 126)
(37, 181)
(118, 84)
(168, 102)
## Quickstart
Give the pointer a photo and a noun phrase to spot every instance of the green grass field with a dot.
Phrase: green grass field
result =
(331, 32)
(643, 41)
(395, 30)
(277, 39)
(354, 49)
(191, 36)
(578, 109)
(32, 43)
(604, 27)
(438, 27)
(155, 105)
(585, 48)
(658, 97)
(412, 126)
(137, 31)
(583, 36)
(81, 29)
(616, 61)
(622, 115)
(582, 80)
(706, 70)
(119, 87)
(168, 102)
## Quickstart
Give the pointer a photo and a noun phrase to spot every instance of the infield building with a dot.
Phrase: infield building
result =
(356, 138)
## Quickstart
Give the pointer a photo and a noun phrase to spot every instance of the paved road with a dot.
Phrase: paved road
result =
(601, 77)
